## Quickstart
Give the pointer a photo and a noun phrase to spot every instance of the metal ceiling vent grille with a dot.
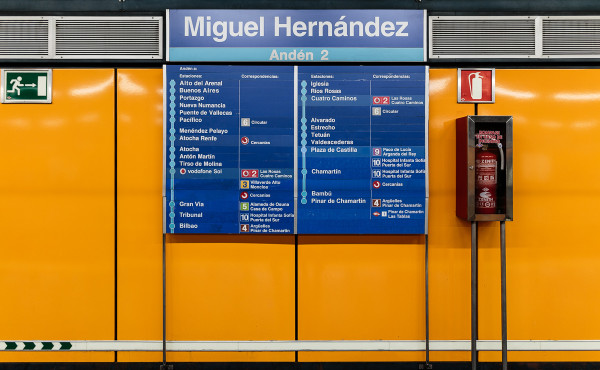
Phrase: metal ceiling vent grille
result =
(24, 37)
(482, 37)
(109, 37)
(571, 37)
(81, 37)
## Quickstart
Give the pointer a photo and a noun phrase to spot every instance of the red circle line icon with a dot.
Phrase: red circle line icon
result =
(245, 140)
(244, 195)
(376, 184)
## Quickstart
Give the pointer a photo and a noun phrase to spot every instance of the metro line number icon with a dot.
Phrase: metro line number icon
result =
(250, 174)
(27, 86)
(381, 100)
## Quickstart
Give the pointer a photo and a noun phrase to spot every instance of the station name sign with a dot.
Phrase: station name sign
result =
(296, 35)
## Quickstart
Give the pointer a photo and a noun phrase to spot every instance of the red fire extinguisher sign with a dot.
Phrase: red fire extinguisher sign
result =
(476, 85)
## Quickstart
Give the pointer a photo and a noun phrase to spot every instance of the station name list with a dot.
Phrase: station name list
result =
(305, 150)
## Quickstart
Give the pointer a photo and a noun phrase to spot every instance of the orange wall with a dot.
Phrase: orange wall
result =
(553, 278)
(139, 209)
(58, 227)
(552, 259)
(449, 237)
(57, 219)
(361, 288)
(230, 288)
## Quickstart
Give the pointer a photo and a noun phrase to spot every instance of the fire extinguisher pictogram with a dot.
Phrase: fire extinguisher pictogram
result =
(486, 182)
(476, 85)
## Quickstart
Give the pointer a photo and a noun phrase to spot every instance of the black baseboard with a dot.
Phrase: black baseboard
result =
(299, 366)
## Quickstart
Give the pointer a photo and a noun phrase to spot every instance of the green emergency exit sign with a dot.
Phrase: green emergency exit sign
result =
(27, 86)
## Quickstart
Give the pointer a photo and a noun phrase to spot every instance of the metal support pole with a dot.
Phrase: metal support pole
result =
(164, 292)
(427, 301)
(503, 284)
(474, 313)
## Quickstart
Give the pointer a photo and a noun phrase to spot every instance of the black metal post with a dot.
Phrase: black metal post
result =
(503, 293)
(427, 301)
(164, 292)
(474, 313)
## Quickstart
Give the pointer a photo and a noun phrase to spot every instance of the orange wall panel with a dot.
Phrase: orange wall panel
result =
(449, 237)
(139, 208)
(361, 288)
(553, 279)
(233, 287)
(57, 223)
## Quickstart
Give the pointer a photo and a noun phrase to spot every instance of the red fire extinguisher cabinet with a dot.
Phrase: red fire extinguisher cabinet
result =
(482, 192)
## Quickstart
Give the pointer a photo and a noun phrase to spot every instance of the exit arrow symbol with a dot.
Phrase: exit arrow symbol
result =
(32, 85)
(31, 346)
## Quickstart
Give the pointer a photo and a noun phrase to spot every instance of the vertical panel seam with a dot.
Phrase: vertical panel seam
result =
(115, 200)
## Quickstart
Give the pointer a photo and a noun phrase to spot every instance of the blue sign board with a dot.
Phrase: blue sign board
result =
(230, 149)
(284, 150)
(296, 35)
(363, 150)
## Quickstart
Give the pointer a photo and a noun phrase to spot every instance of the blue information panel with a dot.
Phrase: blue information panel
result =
(363, 150)
(307, 150)
(230, 149)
